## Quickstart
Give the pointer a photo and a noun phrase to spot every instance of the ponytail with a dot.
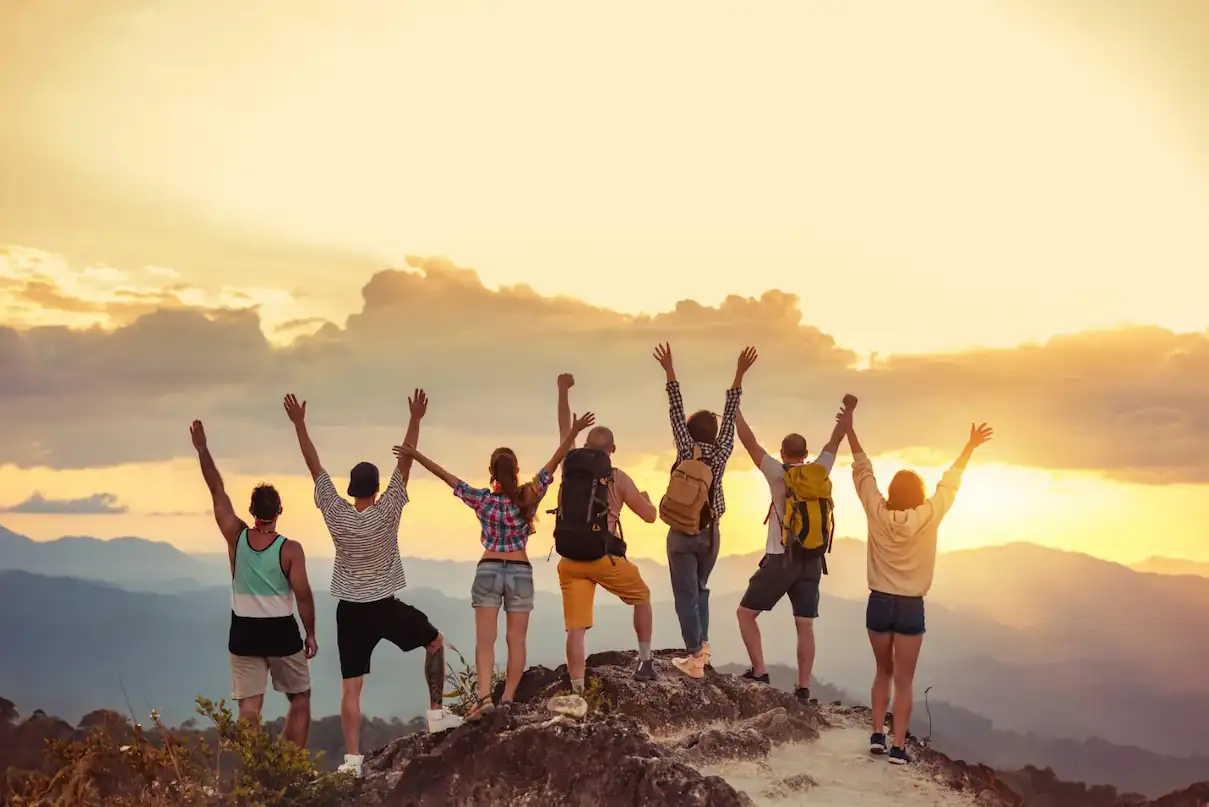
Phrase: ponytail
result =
(504, 472)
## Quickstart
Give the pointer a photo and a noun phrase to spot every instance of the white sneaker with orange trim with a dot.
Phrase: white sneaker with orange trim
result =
(693, 666)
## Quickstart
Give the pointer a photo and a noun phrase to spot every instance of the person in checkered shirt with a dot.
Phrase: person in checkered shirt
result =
(504, 577)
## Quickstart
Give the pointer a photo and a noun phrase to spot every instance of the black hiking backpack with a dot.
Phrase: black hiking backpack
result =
(581, 524)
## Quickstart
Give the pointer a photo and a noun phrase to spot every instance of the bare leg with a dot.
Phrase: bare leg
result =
(750, 631)
(486, 630)
(249, 708)
(805, 627)
(298, 719)
(516, 628)
(883, 654)
(350, 714)
(434, 671)
(577, 653)
(906, 656)
(644, 622)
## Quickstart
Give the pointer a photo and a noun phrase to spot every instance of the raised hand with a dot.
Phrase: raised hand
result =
(405, 450)
(566, 381)
(582, 422)
(980, 434)
(198, 434)
(746, 359)
(663, 355)
(417, 403)
(295, 411)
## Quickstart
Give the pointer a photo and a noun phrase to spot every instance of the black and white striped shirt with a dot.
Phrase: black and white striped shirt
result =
(368, 566)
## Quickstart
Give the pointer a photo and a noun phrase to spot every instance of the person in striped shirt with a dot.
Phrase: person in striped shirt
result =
(367, 573)
(268, 573)
(504, 576)
(691, 558)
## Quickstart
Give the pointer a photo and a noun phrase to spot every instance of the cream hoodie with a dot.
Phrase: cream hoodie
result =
(902, 543)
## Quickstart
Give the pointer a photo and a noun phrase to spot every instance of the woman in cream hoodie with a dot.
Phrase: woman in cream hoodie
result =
(902, 558)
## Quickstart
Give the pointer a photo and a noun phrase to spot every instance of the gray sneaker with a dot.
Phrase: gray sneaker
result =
(646, 671)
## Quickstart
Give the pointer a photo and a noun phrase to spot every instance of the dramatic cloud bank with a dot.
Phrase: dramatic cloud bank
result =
(1133, 402)
(96, 504)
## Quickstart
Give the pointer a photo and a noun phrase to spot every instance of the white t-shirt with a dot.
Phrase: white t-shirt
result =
(774, 472)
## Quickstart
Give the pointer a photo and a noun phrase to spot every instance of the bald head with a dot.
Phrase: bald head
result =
(793, 448)
(600, 438)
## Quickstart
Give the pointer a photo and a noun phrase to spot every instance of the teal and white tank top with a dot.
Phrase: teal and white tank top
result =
(262, 602)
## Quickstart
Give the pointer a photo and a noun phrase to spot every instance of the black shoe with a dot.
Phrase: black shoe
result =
(899, 756)
(750, 675)
(877, 743)
(646, 671)
(802, 694)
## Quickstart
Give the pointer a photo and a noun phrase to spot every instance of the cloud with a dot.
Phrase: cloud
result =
(96, 504)
(1133, 402)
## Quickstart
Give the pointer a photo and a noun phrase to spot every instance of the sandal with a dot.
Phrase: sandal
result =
(484, 706)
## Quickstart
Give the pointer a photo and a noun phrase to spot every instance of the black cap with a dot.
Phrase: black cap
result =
(363, 480)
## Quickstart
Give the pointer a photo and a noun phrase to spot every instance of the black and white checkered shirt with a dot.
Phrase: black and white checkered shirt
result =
(715, 454)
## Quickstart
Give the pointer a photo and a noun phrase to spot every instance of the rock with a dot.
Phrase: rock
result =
(570, 705)
(784, 788)
(603, 749)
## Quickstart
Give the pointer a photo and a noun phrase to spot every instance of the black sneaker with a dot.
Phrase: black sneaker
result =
(750, 675)
(898, 756)
(646, 671)
(802, 694)
(877, 743)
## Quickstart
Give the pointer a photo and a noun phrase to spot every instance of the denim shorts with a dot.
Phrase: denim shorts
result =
(503, 582)
(892, 613)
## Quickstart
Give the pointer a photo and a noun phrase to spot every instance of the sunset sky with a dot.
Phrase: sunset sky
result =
(956, 209)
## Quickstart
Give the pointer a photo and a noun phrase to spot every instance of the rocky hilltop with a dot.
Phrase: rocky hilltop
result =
(674, 741)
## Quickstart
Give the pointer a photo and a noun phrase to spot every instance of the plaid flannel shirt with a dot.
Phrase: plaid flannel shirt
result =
(504, 530)
(716, 454)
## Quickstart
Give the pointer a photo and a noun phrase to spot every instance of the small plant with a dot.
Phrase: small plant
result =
(464, 683)
(120, 765)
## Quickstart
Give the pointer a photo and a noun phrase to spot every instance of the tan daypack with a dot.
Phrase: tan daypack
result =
(687, 494)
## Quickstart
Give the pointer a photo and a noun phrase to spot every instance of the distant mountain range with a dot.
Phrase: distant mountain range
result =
(1158, 565)
(1056, 643)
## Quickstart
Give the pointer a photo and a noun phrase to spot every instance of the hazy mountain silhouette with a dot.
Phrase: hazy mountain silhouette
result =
(1159, 565)
(963, 734)
(1102, 650)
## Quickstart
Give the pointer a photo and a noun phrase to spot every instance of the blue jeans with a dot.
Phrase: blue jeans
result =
(893, 613)
(691, 558)
(503, 582)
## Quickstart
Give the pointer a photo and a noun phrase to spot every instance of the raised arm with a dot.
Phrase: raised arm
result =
(843, 422)
(229, 524)
(947, 487)
(748, 438)
(577, 426)
(726, 428)
(565, 382)
(295, 562)
(862, 469)
(410, 451)
(684, 440)
(296, 412)
(417, 405)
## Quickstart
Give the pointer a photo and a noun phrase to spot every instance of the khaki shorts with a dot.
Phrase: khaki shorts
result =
(250, 674)
(578, 580)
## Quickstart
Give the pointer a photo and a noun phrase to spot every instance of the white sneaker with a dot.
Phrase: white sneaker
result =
(442, 720)
(352, 764)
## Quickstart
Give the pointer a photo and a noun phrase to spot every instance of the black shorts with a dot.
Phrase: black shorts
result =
(893, 613)
(779, 575)
(361, 625)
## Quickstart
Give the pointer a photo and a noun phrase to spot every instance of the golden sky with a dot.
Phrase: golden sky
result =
(208, 183)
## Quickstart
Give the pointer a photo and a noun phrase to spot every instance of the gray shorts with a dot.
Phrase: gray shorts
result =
(779, 575)
(507, 583)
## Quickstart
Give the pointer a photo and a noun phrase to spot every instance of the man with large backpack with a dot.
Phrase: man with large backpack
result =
(800, 529)
(694, 504)
(588, 537)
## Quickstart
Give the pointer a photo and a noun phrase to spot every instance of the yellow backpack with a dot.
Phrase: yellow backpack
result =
(808, 520)
(683, 506)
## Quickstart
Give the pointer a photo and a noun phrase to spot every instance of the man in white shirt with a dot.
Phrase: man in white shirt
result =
(780, 574)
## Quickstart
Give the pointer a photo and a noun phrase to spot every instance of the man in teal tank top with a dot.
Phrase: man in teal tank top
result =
(268, 574)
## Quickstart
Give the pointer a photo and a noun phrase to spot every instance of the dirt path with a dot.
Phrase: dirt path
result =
(847, 775)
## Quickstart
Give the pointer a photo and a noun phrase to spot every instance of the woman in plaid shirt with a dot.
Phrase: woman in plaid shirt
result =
(504, 576)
